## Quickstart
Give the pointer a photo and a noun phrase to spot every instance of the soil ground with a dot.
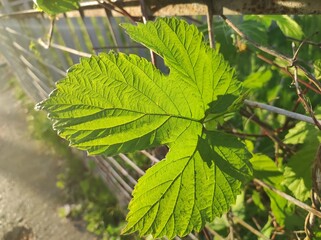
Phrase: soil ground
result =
(29, 198)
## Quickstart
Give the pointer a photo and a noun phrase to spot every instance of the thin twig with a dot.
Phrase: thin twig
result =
(289, 198)
(231, 225)
(209, 17)
(65, 49)
(295, 55)
(113, 6)
(53, 45)
(111, 28)
(267, 130)
(23, 14)
(207, 237)
(295, 75)
(47, 44)
(307, 42)
(249, 227)
(214, 233)
(109, 7)
(281, 111)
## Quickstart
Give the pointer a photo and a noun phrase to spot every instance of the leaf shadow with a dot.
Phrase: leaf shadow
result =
(221, 104)
(211, 153)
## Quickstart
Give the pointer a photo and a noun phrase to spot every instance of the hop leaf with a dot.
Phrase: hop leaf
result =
(115, 103)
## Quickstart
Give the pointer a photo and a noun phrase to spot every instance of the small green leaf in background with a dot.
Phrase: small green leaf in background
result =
(317, 69)
(266, 170)
(115, 103)
(254, 30)
(257, 79)
(297, 173)
(53, 7)
(287, 25)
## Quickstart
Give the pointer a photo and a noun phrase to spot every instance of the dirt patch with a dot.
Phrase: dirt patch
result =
(29, 198)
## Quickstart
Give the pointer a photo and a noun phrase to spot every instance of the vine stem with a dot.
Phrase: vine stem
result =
(288, 197)
(249, 227)
(281, 111)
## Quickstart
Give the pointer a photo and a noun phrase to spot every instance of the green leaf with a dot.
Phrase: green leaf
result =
(264, 19)
(255, 31)
(177, 203)
(267, 229)
(298, 134)
(298, 174)
(317, 69)
(257, 79)
(189, 58)
(114, 103)
(53, 7)
(266, 170)
(280, 207)
(144, 107)
(287, 25)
